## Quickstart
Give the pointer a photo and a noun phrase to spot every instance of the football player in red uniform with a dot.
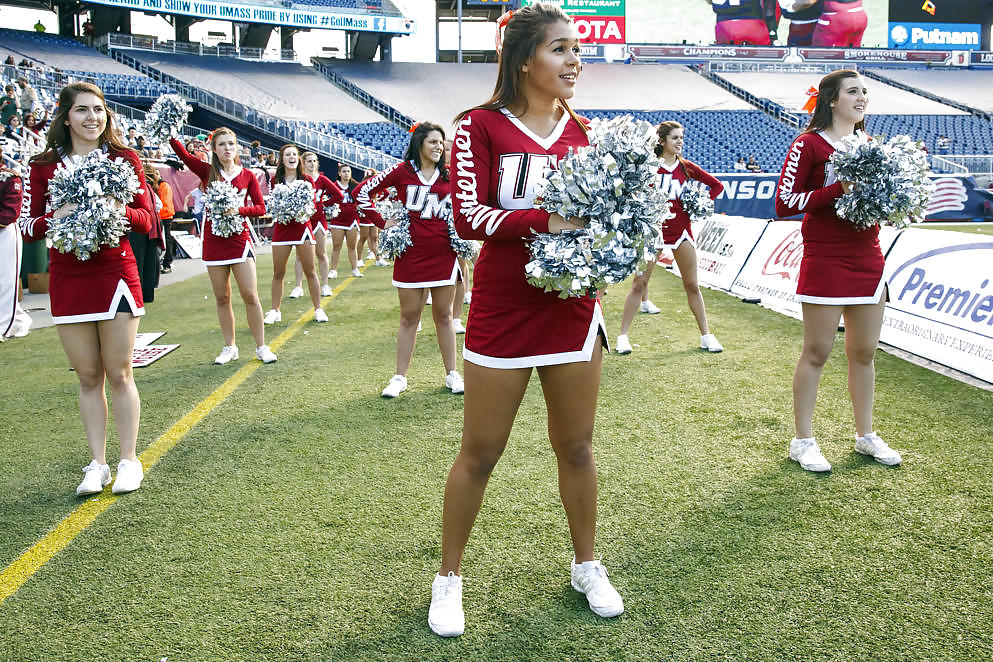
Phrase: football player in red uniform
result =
(841, 272)
(841, 25)
(96, 302)
(502, 149)
(742, 22)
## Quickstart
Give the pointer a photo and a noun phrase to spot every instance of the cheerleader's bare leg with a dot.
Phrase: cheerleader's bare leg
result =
(322, 256)
(298, 272)
(116, 350)
(862, 326)
(220, 283)
(352, 240)
(364, 232)
(305, 253)
(492, 398)
(244, 276)
(459, 297)
(686, 261)
(337, 239)
(441, 311)
(820, 324)
(374, 242)
(280, 258)
(637, 294)
(411, 305)
(570, 391)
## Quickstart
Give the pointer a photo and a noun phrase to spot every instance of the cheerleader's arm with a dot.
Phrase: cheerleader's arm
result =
(140, 212)
(10, 204)
(257, 208)
(791, 198)
(35, 224)
(199, 167)
(373, 188)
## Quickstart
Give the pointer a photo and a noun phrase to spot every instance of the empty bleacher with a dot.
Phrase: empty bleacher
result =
(970, 87)
(59, 52)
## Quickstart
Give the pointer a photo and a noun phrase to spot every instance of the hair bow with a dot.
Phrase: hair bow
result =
(501, 26)
(811, 101)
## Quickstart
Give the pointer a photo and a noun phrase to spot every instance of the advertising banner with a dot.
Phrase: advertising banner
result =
(252, 13)
(598, 21)
(941, 299)
(948, 24)
(747, 194)
(723, 243)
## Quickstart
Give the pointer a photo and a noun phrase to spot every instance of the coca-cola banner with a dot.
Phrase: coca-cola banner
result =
(941, 299)
(754, 195)
(723, 243)
(770, 272)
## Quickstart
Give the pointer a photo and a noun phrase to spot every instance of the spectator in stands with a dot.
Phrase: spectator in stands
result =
(166, 214)
(803, 16)
(96, 303)
(39, 27)
(14, 129)
(841, 25)
(194, 203)
(753, 165)
(677, 233)
(256, 153)
(841, 271)
(743, 21)
(287, 236)
(8, 105)
(514, 327)
(271, 161)
(88, 32)
(28, 98)
(943, 145)
(141, 148)
(132, 137)
(31, 123)
(234, 255)
(739, 165)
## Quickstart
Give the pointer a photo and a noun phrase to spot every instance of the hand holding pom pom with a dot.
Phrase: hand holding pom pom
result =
(166, 117)
(291, 203)
(395, 237)
(222, 201)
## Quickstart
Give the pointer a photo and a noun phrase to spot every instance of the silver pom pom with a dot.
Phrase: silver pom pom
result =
(394, 240)
(91, 182)
(696, 201)
(166, 117)
(291, 203)
(219, 197)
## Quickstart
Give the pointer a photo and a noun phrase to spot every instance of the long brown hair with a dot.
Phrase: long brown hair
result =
(525, 32)
(827, 93)
(215, 162)
(421, 131)
(59, 137)
(280, 175)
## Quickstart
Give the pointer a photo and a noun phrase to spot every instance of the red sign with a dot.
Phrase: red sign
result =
(600, 29)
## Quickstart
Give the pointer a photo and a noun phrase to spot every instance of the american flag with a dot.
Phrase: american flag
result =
(949, 195)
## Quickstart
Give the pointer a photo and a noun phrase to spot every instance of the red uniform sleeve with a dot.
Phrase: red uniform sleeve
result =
(200, 168)
(701, 175)
(373, 187)
(791, 196)
(34, 227)
(11, 197)
(140, 212)
(473, 163)
(257, 208)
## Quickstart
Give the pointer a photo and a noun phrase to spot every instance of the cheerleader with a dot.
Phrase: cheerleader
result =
(287, 235)
(502, 148)
(96, 302)
(14, 322)
(235, 255)
(344, 226)
(841, 272)
(429, 264)
(677, 233)
(462, 287)
(369, 233)
(323, 186)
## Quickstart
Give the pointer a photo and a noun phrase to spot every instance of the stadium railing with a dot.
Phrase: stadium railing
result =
(766, 105)
(357, 93)
(117, 40)
(333, 147)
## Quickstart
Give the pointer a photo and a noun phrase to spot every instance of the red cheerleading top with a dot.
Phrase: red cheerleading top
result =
(11, 197)
(284, 234)
(497, 162)
(671, 182)
(809, 186)
(225, 250)
(325, 192)
(430, 260)
(348, 217)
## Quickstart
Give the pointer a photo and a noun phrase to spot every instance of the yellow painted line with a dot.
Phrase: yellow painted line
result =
(28, 563)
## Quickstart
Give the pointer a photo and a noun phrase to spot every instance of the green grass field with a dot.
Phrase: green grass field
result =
(300, 520)
(970, 228)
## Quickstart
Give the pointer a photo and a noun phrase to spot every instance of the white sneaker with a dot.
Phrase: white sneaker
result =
(264, 354)
(360, 263)
(333, 273)
(356, 273)
(96, 477)
(467, 299)
(326, 291)
(709, 343)
(397, 385)
(623, 345)
(875, 447)
(296, 293)
(272, 317)
(454, 383)
(590, 578)
(649, 308)
(129, 475)
(320, 315)
(420, 327)
(227, 355)
(808, 454)
(381, 263)
(369, 255)
(21, 324)
(446, 617)
(459, 328)
(427, 302)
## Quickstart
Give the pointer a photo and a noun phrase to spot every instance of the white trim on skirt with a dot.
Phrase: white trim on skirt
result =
(307, 238)
(249, 252)
(845, 301)
(122, 291)
(456, 273)
(597, 327)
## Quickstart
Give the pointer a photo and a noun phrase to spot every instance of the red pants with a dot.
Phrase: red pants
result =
(801, 34)
(750, 31)
(841, 25)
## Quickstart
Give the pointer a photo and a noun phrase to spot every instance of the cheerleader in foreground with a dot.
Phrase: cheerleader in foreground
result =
(677, 233)
(287, 235)
(344, 226)
(502, 148)
(96, 302)
(841, 272)
(429, 264)
(225, 256)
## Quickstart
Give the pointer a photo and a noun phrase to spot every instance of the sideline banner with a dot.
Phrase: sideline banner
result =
(941, 299)
(723, 243)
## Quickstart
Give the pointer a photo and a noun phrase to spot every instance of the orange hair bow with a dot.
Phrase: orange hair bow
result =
(811, 101)
(413, 127)
(501, 26)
